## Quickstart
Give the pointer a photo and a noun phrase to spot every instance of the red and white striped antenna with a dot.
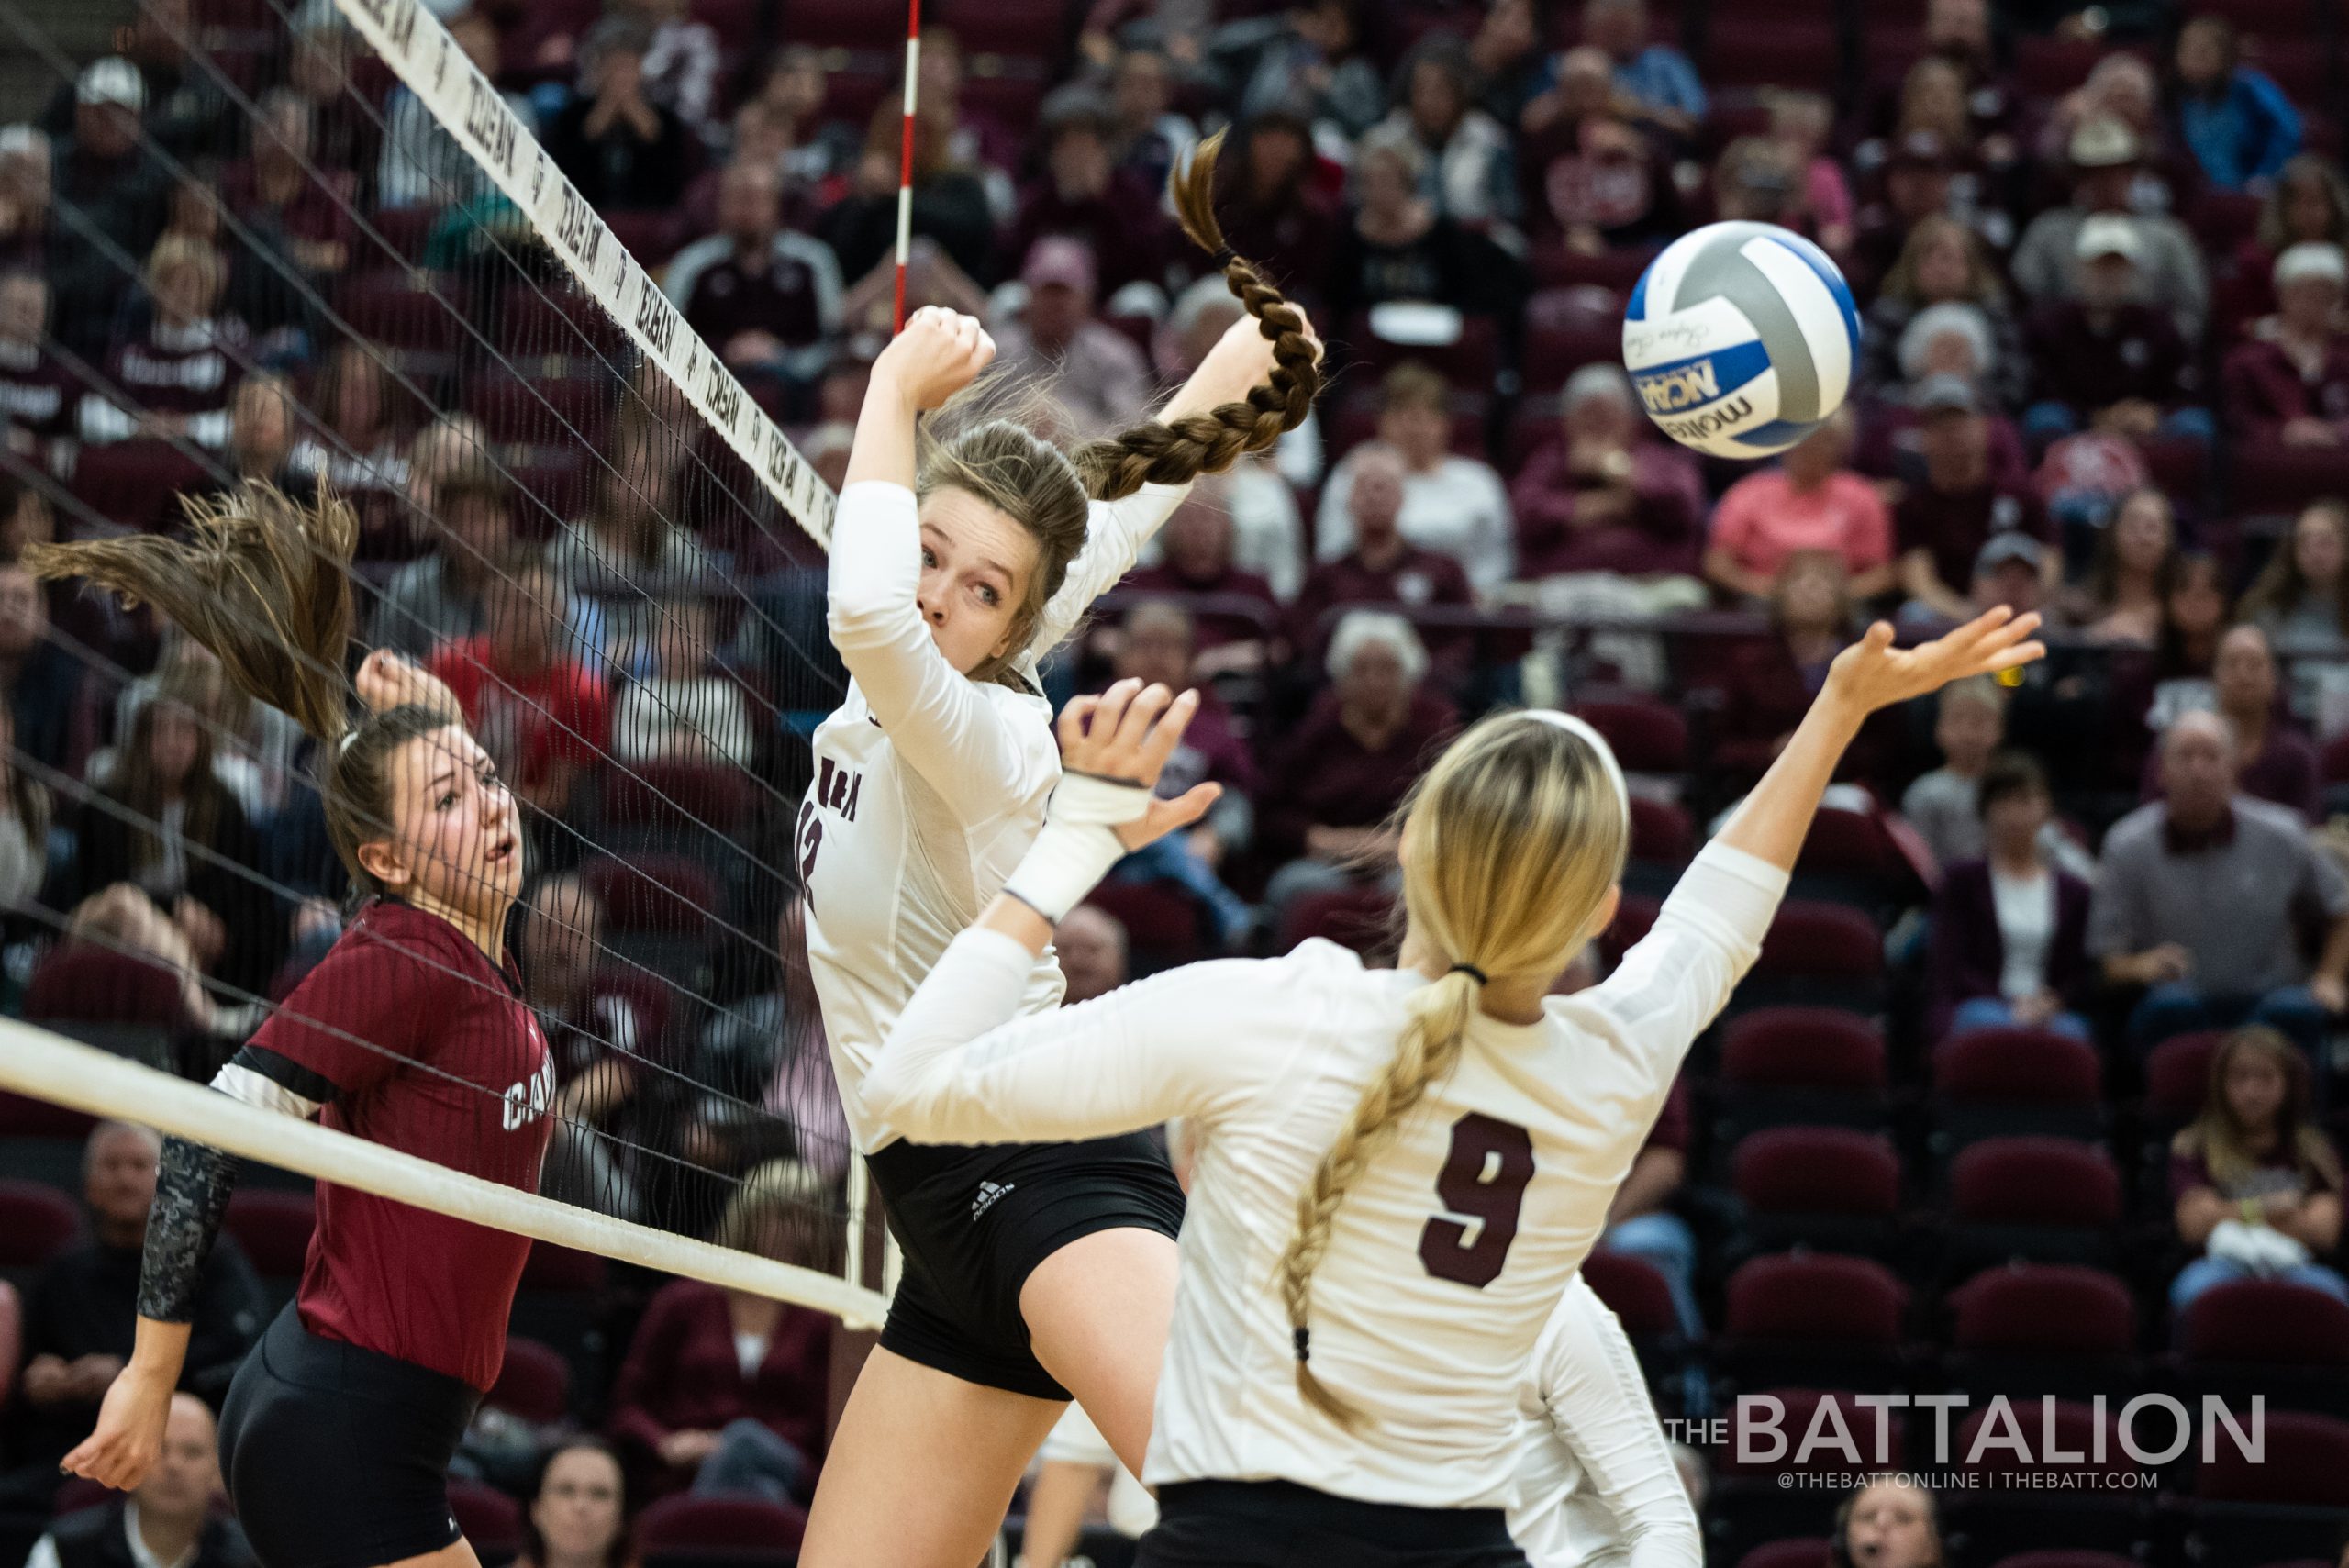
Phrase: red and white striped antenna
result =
(905, 161)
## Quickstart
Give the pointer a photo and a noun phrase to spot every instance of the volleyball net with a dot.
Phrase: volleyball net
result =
(317, 244)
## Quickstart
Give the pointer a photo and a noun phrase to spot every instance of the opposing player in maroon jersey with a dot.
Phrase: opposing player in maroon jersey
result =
(337, 1433)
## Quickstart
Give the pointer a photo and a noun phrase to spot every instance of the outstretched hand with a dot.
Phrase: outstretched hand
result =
(1127, 733)
(1873, 674)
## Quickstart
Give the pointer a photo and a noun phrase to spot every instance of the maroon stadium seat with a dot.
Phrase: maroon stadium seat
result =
(2066, 1559)
(135, 482)
(1817, 1298)
(273, 1227)
(1567, 328)
(2268, 478)
(23, 1116)
(1356, 918)
(36, 1224)
(1634, 1290)
(666, 896)
(1819, 1171)
(2178, 1076)
(1850, 844)
(1160, 920)
(94, 986)
(2266, 1322)
(651, 235)
(543, 411)
(1037, 28)
(2018, 1067)
(532, 323)
(2044, 1309)
(677, 795)
(553, 1268)
(1661, 832)
(1822, 941)
(701, 1527)
(491, 1521)
(2035, 1181)
(1648, 736)
(2306, 1464)
(844, 23)
(534, 1383)
(1803, 1048)
(403, 232)
(1761, 48)
(1790, 1554)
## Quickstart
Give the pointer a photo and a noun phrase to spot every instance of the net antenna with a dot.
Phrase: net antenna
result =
(428, 60)
(905, 161)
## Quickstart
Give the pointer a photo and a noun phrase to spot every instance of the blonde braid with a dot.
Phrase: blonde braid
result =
(1428, 1051)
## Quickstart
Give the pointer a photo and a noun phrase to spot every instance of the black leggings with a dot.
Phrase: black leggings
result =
(338, 1457)
(1279, 1524)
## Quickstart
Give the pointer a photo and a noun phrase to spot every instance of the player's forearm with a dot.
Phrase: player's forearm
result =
(1774, 819)
(974, 987)
(884, 447)
(191, 1186)
(1240, 359)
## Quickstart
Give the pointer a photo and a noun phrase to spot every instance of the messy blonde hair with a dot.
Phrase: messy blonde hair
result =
(1510, 846)
(1003, 462)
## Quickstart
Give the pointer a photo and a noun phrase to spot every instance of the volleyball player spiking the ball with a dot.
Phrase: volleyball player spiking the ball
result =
(958, 560)
(1398, 1170)
(336, 1435)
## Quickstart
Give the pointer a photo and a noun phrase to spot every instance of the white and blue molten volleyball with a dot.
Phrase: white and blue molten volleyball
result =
(1741, 339)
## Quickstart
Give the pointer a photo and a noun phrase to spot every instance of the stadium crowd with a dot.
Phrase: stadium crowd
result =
(2036, 1089)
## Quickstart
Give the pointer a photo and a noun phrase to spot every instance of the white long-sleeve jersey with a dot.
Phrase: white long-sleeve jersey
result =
(928, 785)
(1596, 1487)
(1448, 1254)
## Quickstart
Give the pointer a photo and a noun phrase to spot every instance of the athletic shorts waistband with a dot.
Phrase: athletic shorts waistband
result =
(1396, 1525)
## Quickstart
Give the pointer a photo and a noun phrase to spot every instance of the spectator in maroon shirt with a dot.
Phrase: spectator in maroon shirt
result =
(755, 289)
(1601, 497)
(1195, 557)
(172, 380)
(38, 393)
(1336, 784)
(2308, 204)
(2290, 382)
(2279, 765)
(1597, 179)
(724, 1391)
(1772, 682)
(305, 213)
(1942, 522)
(1383, 568)
(2105, 359)
(1082, 195)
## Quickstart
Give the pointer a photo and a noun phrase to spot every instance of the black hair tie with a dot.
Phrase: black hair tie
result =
(1472, 971)
(1304, 1337)
(1223, 258)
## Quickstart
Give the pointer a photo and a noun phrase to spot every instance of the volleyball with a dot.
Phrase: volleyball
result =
(1741, 339)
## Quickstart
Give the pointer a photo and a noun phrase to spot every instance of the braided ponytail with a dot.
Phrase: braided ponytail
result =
(1159, 452)
(1512, 846)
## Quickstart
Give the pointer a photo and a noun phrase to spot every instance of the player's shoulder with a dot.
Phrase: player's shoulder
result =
(388, 932)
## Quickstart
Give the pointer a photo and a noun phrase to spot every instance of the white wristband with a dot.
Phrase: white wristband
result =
(1078, 845)
(1065, 863)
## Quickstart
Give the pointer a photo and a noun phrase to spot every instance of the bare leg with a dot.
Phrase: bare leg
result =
(1058, 1503)
(922, 1469)
(1097, 1313)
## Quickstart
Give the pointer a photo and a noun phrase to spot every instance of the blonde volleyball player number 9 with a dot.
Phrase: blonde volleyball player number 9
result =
(1399, 1171)
(957, 562)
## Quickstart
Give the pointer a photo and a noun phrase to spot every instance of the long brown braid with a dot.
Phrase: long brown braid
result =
(1159, 452)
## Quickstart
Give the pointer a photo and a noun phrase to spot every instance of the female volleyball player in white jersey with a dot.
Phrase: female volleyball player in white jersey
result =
(1399, 1171)
(957, 563)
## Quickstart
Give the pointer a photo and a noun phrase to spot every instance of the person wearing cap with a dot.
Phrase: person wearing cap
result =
(2106, 157)
(1601, 496)
(2011, 570)
(1945, 518)
(620, 149)
(1810, 501)
(1094, 372)
(2289, 380)
(1083, 195)
(118, 188)
(2104, 358)
(2238, 124)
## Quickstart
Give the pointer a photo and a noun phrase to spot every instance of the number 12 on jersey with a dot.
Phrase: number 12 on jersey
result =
(1484, 1177)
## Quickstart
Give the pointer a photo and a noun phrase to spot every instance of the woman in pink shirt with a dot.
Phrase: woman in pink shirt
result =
(1810, 502)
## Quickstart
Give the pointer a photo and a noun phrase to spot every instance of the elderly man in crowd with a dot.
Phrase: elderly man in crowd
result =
(168, 1521)
(2202, 898)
